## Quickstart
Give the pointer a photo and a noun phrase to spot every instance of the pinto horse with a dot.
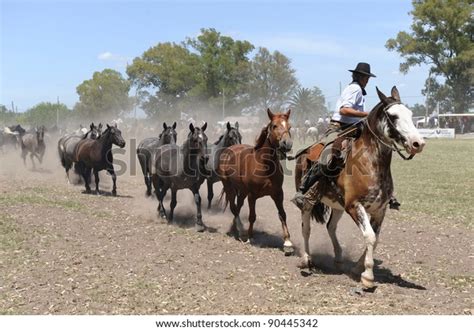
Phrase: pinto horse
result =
(148, 147)
(230, 137)
(255, 171)
(97, 155)
(364, 186)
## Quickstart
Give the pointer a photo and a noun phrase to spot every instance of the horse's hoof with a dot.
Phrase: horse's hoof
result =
(288, 250)
(339, 266)
(367, 283)
(200, 227)
(305, 264)
(114, 193)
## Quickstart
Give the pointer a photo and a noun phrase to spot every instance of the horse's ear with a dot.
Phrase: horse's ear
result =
(92, 125)
(288, 113)
(165, 126)
(108, 126)
(395, 93)
(174, 125)
(228, 126)
(270, 114)
(382, 96)
(115, 124)
(191, 127)
(237, 125)
(100, 125)
(204, 127)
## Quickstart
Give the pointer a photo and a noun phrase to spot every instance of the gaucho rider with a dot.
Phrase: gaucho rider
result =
(350, 110)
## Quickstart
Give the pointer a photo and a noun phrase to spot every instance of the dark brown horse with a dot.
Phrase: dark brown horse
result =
(97, 155)
(364, 186)
(255, 172)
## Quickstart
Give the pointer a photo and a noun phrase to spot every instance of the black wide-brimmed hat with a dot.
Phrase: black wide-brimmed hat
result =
(363, 68)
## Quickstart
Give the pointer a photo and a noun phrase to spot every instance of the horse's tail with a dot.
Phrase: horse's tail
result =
(318, 212)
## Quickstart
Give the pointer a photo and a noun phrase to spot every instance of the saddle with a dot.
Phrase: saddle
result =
(338, 139)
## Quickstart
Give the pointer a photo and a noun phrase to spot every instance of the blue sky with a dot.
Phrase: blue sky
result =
(50, 47)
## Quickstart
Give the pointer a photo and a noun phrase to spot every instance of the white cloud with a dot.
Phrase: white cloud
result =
(119, 61)
(105, 56)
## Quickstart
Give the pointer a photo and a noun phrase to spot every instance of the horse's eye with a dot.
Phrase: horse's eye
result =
(274, 127)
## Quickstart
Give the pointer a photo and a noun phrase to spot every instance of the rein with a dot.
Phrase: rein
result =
(393, 147)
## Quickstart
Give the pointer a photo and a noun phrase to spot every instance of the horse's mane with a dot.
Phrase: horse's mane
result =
(375, 112)
(261, 138)
(219, 140)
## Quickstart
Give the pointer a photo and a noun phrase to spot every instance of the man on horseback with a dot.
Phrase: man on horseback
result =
(350, 110)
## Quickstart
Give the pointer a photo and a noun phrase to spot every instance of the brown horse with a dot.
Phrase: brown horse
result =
(255, 172)
(363, 188)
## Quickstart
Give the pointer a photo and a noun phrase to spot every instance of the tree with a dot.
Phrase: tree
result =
(441, 36)
(46, 113)
(272, 80)
(6, 116)
(418, 110)
(106, 94)
(308, 103)
(224, 64)
(173, 76)
(163, 74)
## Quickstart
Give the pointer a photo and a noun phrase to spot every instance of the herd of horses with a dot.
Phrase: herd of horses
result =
(362, 188)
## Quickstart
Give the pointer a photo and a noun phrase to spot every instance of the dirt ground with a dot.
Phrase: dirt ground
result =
(66, 252)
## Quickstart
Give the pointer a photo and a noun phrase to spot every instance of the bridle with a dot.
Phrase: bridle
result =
(281, 154)
(393, 146)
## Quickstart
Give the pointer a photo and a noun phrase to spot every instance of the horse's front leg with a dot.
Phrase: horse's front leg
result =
(197, 199)
(173, 204)
(96, 177)
(376, 224)
(306, 231)
(86, 174)
(362, 219)
(288, 247)
(111, 171)
(160, 190)
(210, 193)
(32, 157)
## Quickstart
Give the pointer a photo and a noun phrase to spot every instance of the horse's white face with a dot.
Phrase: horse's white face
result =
(402, 119)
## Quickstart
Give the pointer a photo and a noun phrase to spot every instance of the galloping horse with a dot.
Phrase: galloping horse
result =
(230, 137)
(364, 186)
(148, 147)
(97, 155)
(33, 143)
(67, 145)
(182, 167)
(255, 171)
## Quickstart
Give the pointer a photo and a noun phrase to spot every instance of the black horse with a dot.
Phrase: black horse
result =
(97, 155)
(67, 145)
(149, 146)
(182, 167)
(33, 143)
(231, 137)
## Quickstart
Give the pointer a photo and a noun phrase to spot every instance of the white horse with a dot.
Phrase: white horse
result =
(312, 132)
